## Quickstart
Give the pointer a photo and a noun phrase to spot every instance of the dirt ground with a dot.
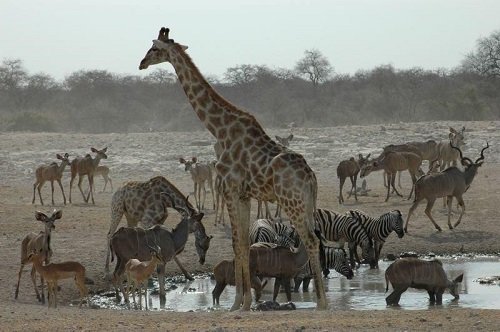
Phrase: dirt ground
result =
(81, 233)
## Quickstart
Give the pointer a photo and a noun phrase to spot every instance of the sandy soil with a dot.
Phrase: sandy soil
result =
(81, 233)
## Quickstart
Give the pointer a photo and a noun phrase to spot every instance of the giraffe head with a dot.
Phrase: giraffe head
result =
(161, 51)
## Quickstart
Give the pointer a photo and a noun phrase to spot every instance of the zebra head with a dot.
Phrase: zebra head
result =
(336, 258)
(396, 219)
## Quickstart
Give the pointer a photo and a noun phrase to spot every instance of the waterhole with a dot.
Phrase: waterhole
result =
(366, 291)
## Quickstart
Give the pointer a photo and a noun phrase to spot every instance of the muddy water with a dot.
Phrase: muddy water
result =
(366, 291)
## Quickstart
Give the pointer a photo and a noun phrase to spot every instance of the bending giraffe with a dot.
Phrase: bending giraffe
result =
(251, 165)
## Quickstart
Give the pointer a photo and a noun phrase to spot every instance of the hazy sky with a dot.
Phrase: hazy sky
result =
(59, 37)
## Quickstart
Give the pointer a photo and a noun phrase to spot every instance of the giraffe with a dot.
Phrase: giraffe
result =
(146, 203)
(251, 165)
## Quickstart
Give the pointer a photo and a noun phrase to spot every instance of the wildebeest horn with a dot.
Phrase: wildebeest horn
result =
(461, 155)
(482, 155)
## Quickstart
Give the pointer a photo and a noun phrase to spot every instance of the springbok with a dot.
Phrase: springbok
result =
(449, 183)
(350, 169)
(139, 272)
(200, 173)
(54, 272)
(86, 166)
(39, 243)
(392, 162)
(52, 172)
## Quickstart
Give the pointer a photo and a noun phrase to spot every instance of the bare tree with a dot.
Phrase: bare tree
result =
(485, 60)
(314, 66)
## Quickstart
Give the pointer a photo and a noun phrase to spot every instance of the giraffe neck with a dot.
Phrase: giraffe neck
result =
(182, 205)
(215, 112)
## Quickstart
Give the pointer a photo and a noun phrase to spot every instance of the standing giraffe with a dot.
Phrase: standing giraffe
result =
(251, 165)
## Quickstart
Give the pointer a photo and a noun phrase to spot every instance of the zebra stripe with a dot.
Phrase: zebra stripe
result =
(343, 227)
(265, 230)
(379, 228)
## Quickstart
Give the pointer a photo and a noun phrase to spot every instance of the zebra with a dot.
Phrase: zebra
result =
(266, 230)
(331, 258)
(342, 227)
(379, 228)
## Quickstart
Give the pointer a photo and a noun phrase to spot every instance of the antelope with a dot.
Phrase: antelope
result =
(200, 173)
(139, 272)
(39, 243)
(224, 275)
(285, 141)
(419, 274)
(219, 200)
(406, 147)
(447, 155)
(270, 260)
(132, 242)
(392, 162)
(449, 183)
(54, 272)
(429, 150)
(86, 166)
(52, 172)
(350, 169)
(104, 172)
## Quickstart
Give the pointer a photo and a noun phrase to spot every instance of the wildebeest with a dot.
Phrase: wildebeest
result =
(419, 274)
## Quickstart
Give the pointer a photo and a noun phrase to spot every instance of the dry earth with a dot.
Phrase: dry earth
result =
(81, 233)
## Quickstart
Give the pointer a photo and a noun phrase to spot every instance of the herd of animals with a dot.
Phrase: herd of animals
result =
(249, 164)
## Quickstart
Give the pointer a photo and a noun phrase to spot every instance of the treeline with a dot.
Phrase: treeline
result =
(310, 94)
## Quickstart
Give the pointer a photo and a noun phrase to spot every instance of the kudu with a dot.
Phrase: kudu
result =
(350, 169)
(392, 162)
(405, 147)
(285, 141)
(449, 183)
(52, 172)
(54, 272)
(87, 165)
(419, 274)
(127, 243)
(447, 156)
(39, 243)
(200, 173)
(104, 172)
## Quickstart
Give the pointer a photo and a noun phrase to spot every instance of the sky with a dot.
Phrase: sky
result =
(59, 37)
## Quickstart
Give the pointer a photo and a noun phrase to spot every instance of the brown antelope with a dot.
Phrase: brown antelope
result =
(350, 169)
(447, 155)
(86, 166)
(429, 150)
(104, 172)
(419, 274)
(392, 162)
(285, 141)
(139, 272)
(54, 272)
(200, 173)
(449, 183)
(39, 243)
(52, 172)
(406, 147)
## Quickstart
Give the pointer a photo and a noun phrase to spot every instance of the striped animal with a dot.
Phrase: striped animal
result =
(379, 228)
(266, 230)
(343, 227)
(330, 258)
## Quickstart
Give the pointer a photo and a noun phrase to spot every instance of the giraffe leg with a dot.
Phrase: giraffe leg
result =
(117, 211)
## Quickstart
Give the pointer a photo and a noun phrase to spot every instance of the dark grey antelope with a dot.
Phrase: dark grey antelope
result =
(272, 261)
(419, 274)
(285, 141)
(52, 172)
(452, 182)
(350, 169)
(128, 243)
(40, 244)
